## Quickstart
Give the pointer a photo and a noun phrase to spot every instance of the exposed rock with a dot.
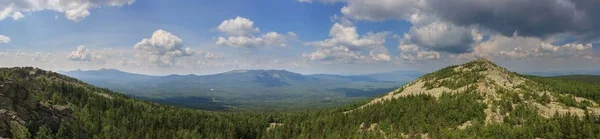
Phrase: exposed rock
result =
(105, 95)
(465, 125)
(554, 108)
(409, 136)
(362, 128)
(492, 83)
(9, 121)
(274, 125)
(373, 127)
(19, 110)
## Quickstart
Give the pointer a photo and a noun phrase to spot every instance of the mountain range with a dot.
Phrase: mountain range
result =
(477, 99)
(278, 90)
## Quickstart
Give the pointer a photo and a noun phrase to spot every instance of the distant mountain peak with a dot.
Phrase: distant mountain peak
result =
(494, 84)
(481, 59)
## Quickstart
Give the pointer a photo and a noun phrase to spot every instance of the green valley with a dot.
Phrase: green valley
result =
(248, 90)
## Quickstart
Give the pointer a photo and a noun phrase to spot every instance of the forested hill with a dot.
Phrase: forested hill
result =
(43, 104)
(474, 100)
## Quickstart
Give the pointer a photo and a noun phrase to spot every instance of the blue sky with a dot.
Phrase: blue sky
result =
(316, 36)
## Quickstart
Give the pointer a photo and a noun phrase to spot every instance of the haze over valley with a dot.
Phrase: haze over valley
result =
(265, 90)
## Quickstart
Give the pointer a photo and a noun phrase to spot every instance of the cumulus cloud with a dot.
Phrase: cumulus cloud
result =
(345, 45)
(531, 18)
(426, 42)
(240, 34)
(4, 39)
(239, 41)
(517, 53)
(211, 56)
(19, 53)
(74, 10)
(239, 26)
(569, 50)
(162, 49)
(17, 15)
(272, 39)
(342, 54)
(40, 57)
(348, 37)
(337, 53)
(276, 39)
(517, 47)
(498, 43)
(412, 53)
(444, 37)
(514, 29)
(83, 54)
(377, 10)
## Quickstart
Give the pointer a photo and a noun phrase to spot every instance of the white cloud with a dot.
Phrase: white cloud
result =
(516, 53)
(17, 15)
(490, 28)
(211, 56)
(82, 54)
(74, 10)
(412, 53)
(240, 35)
(569, 50)
(525, 48)
(346, 46)
(348, 37)
(239, 26)
(239, 41)
(162, 49)
(19, 53)
(4, 39)
(39, 57)
(337, 53)
(275, 39)
(379, 57)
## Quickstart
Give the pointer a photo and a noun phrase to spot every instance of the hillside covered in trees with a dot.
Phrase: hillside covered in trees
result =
(477, 99)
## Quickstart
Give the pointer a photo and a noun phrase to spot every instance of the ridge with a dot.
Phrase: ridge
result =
(500, 89)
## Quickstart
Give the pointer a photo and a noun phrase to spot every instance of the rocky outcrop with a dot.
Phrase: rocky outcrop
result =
(274, 125)
(494, 84)
(21, 112)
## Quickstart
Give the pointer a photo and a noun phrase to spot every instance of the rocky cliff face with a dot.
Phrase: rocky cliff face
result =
(21, 110)
(502, 91)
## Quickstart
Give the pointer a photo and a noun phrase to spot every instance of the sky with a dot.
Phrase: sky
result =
(160, 37)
